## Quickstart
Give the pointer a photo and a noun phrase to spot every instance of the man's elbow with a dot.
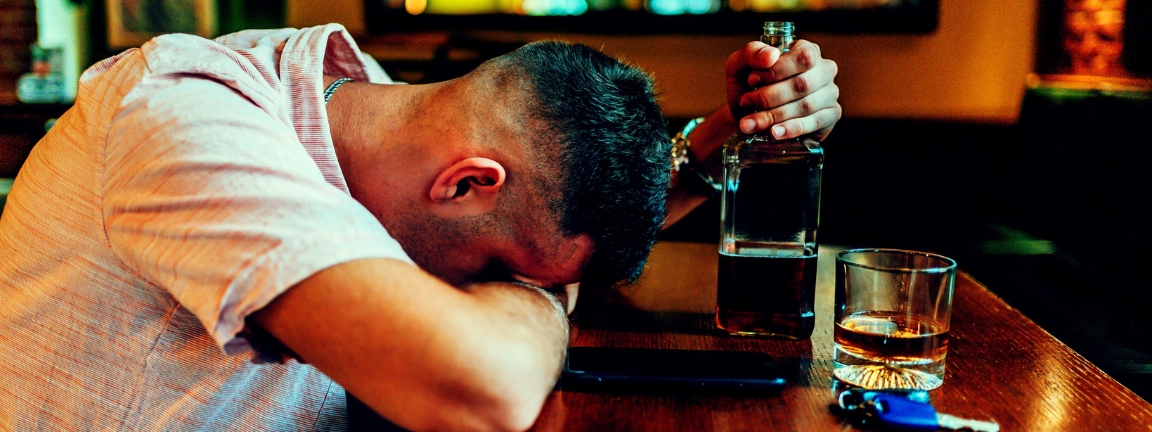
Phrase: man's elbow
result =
(517, 413)
(516, 367)
(501, 393)
(515, 403)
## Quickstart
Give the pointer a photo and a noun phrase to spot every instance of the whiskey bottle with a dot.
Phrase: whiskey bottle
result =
(770, 210)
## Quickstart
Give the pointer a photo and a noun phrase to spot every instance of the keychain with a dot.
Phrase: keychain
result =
(904, 411)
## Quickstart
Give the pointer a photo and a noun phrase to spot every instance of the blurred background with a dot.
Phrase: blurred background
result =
(1011, 135)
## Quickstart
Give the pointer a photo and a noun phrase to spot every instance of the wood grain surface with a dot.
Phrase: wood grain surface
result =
(1000, 366)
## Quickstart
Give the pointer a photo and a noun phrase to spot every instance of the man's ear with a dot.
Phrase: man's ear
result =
(469, 180)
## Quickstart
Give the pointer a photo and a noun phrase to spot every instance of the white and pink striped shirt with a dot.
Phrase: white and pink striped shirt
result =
(192, 182)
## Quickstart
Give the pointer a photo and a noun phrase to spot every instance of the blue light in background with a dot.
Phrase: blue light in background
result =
(555, 7)
(680, 7)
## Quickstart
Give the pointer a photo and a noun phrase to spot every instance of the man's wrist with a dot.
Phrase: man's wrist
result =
(698, 176)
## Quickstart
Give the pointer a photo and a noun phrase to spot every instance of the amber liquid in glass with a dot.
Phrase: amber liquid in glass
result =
(890, 350)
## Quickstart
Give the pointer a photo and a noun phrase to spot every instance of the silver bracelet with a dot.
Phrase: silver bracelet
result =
(332, 88)
(682, 159)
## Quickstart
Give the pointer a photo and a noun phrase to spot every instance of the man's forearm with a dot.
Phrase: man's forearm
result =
(422, 353)
(707, 144)
(535, 313)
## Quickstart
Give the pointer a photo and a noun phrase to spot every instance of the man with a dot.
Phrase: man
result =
(202, 200)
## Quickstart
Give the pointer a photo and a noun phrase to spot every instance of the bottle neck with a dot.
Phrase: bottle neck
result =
(778, 34)
(783, 42)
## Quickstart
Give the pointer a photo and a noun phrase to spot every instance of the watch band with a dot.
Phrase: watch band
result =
(682, 160)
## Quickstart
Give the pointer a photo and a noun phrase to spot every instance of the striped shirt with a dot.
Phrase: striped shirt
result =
(193, 181)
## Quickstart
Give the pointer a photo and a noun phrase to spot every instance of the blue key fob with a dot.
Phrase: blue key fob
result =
(897, 413)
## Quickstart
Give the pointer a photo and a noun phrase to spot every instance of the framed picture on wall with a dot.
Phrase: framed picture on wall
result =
(133, 22)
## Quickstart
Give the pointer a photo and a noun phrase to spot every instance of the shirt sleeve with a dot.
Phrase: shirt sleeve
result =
(215, 200)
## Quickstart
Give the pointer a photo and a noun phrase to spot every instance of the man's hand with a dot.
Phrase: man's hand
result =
(790, 95)
(793, 94)
(566, 294)
(571, 291)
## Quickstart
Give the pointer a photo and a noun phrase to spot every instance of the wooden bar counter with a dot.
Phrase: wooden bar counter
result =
(1000, 366)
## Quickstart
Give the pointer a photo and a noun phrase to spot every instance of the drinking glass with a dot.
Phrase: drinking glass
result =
(892, 318)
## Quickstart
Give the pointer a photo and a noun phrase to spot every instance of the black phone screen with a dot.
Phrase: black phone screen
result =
(645, 368)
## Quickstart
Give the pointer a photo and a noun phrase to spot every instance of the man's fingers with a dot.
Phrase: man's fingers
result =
(824, 98)
(791, 89)
(789, 95)
(819, 123)
(759, 55)
(754, 55)
(803, 57)
(571, 292)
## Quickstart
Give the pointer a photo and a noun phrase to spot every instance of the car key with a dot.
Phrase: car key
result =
(895, 412)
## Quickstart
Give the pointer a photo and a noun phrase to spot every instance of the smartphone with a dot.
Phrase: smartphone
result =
(668, 369)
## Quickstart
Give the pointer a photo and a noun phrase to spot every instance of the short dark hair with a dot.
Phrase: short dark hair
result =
(614, 151)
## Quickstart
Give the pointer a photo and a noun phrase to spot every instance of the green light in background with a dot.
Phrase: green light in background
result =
(681, 7)
(554, 7)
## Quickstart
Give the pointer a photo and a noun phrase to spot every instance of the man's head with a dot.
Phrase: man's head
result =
(547, 165)
(612, 149)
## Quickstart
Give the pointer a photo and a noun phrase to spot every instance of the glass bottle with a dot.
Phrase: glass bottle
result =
(770, 209)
